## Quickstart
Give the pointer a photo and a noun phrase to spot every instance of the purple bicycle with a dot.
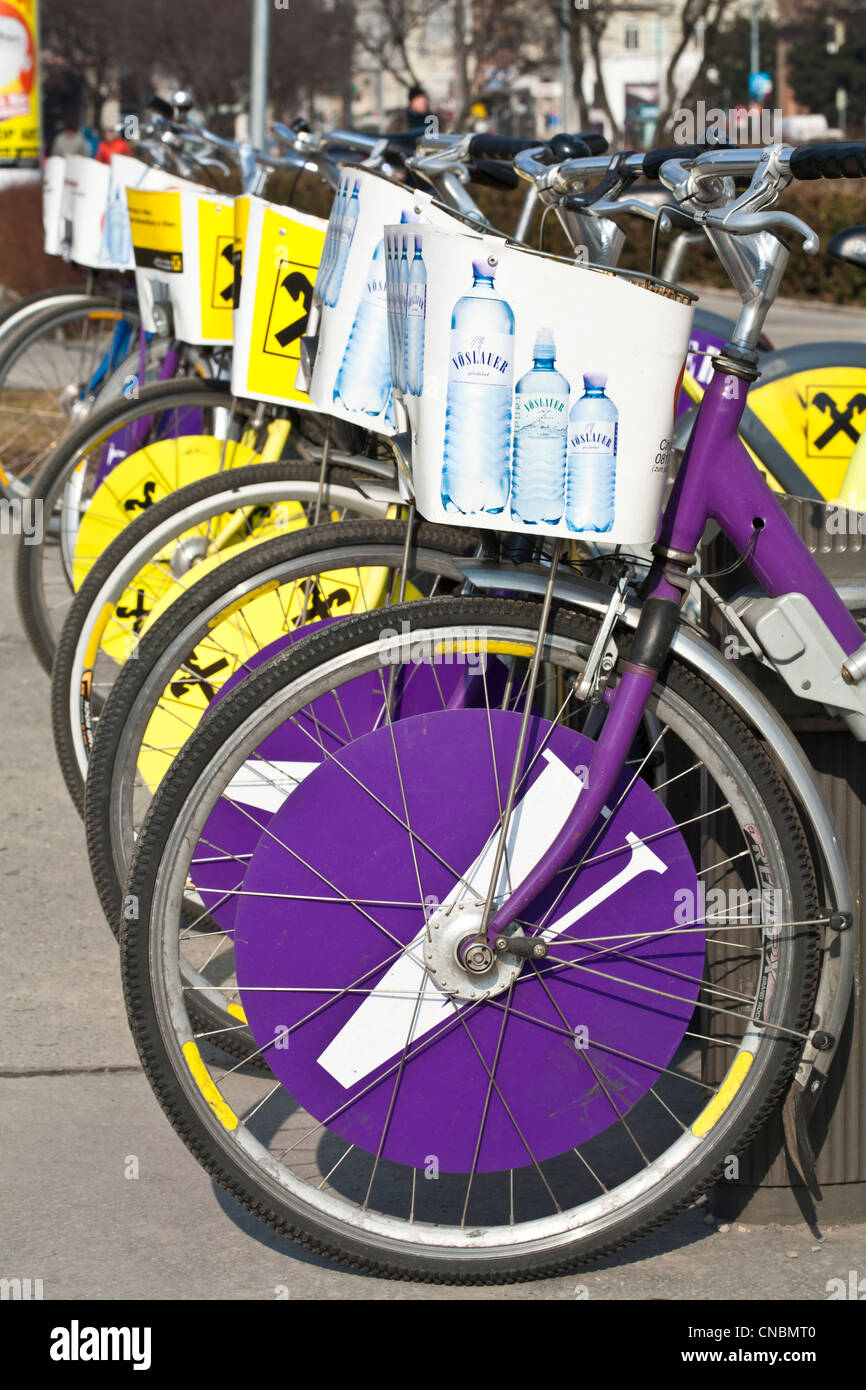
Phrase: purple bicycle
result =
(543, 911)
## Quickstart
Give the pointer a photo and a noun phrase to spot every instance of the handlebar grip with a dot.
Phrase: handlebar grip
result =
(654, 159)
(829, 159)
(491, 174)
(595, 143)
(160, 106)
(499, 146)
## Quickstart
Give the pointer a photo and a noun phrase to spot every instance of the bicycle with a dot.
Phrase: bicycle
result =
(423, 1023)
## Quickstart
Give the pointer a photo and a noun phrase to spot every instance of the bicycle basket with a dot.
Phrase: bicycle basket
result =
(279, 250)
(182, 240)
(351, 375)
(539, 392)
(82, 213)
(53, 174)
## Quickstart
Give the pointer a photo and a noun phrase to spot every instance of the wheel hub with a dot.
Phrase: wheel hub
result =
(459, 963)
(188, 553)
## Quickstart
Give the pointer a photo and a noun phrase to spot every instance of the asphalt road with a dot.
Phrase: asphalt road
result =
(76, 1106)
(795, 320)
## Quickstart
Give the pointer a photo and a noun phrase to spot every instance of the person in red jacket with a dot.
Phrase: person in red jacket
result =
(112, 143)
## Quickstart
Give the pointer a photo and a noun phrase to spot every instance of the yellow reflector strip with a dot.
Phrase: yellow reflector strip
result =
(96, 635)
(224, 1113)
(723, 1097)
(466, 646)
(237, 1012)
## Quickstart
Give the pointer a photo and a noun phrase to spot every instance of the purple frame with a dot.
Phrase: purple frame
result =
(717, 481)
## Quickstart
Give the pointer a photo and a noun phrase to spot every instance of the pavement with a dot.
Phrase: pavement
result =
(794, 320)
(98, 1196)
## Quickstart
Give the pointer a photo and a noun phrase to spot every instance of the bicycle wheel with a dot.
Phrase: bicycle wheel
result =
(212, 636)
(51, 368)
(426, 1122)
(157, 557)
(43, 570)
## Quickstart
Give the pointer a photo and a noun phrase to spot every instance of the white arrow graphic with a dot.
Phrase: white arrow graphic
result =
(266, 785)
(379, 1027)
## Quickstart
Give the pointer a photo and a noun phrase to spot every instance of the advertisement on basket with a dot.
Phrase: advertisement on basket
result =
(183, 242)
(281, 250)
(20, 105)
(351, 377)
(539, 393)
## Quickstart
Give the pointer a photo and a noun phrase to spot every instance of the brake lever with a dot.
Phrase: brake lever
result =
(738, 223)
(374, 158)
(632, 206)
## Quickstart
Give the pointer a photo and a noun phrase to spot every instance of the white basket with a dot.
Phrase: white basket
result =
(53, 174)
(501, 436)
(280, 250)
(183, 241)
(351, 374)
(85, 195)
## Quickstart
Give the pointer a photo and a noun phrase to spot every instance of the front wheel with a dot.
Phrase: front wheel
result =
(418, 1120)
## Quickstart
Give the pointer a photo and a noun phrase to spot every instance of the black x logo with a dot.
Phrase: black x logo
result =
(198, 677)
(141, 504)
(319, 605)
(841, 420)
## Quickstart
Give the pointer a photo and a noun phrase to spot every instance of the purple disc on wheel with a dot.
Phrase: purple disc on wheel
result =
(295, 749)
(346, 950)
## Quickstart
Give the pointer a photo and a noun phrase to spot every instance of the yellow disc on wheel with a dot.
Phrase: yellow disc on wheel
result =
(135, 485)
(257, 620)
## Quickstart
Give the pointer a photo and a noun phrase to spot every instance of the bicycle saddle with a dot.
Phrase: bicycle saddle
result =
(850, 245)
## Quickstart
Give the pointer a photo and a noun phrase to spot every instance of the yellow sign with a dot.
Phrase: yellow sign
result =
(216, 234)
(154, 220)
(20, 105)
(289, 256)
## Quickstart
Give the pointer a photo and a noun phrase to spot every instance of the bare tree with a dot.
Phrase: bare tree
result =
(695, 14)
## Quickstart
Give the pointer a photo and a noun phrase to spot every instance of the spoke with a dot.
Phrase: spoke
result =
(419, 993)
(461, 1017)
(586, 1057)
(486, 1107)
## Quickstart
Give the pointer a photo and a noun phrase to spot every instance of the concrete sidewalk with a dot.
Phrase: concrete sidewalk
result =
(77, 1110)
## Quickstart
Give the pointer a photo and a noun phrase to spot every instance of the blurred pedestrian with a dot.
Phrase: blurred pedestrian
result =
(69, 141)
(112, 143)
(418, 111)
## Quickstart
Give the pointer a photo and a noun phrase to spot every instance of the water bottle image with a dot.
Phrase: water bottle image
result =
(416, 311)
(540, 437)
(401, 307)
(364, 380)
(478, 405)
(117, 243)
(327, 259)
(391, 265)
(591, 467)
(348, 223)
